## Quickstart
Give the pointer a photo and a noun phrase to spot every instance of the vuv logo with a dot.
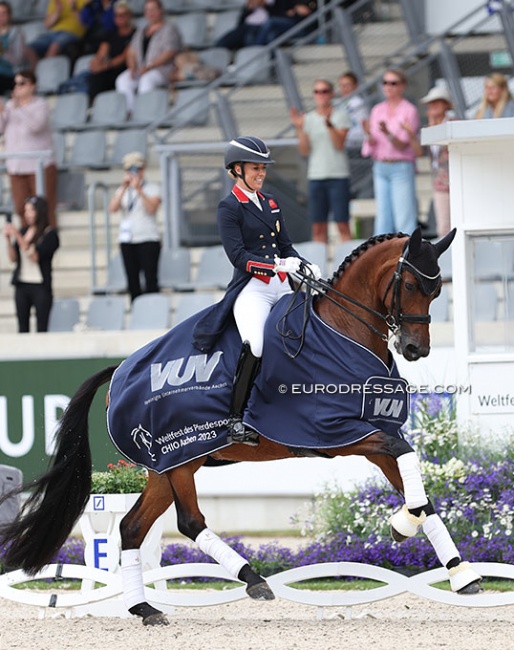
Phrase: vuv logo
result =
(179, 371)
(387, 407)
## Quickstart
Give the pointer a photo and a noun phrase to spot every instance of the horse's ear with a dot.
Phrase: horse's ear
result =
(415, 242)
(445, 242)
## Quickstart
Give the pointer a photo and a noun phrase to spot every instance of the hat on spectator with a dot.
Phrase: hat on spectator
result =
(438, 93)
(133, 159)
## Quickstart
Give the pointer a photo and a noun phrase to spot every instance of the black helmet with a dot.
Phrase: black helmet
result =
(247, 149)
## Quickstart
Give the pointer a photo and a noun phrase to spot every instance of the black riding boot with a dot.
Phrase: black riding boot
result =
(247, 368)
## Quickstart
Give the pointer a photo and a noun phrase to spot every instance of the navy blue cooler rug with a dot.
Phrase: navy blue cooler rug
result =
(169, 403)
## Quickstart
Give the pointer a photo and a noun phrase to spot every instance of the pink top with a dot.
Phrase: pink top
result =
(26, 128)
(382, 149)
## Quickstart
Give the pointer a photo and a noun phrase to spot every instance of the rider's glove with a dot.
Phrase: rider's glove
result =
(287, 265)
(315, 271)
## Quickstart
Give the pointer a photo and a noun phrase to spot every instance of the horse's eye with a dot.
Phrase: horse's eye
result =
(410, 286)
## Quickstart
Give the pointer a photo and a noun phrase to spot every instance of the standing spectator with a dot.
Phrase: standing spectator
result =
(252, 16)
(25, 124)
(361, 174)
(138, 236)
(321, 136)
(64, 31)
(284, 15)
(12, 48)
(497, 100)
(111, 58)
(32, 248)
(438, 104)
(393, 156)
(150, 54)
(97, 16)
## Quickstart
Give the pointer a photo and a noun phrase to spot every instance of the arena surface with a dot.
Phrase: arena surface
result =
(405, 622)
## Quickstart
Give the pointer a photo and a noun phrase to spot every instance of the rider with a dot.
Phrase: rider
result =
(256, 241)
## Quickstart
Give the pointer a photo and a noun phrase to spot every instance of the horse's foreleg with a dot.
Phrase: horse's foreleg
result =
(418, 512)
(155, 500)
(191, 523)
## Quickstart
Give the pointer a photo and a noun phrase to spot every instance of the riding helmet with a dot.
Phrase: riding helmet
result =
(247, 149)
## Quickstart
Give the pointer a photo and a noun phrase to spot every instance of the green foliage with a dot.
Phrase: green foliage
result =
(122, 478)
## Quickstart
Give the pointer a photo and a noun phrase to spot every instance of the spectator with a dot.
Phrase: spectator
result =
(150, 55)
(284, 15)
(32, 248)
(25, 124)
(111, 58)
(253, 15)
(497, 100)
(64, 31)
(393, 156)
(12, 47)
(321, 136)
(138, 235)
(361, 176)
(438, 104)
(97, 16)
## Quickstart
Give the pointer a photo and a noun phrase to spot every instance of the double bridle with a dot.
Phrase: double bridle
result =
(394, 317)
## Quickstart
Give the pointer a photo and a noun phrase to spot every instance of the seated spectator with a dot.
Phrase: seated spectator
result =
(497, 100)
(253, 15)
(97, 16)
(12, 48)
(284, 15)
(189, 67)
(64, 31)
(110, 59)
(150, 54)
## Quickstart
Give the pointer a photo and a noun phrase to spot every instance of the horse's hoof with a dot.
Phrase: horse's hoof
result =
(156, 619)
(397, 537)
(472, 589)
(260, 591)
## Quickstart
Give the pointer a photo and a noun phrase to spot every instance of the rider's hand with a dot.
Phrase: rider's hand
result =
(314, 271)
(287, 265)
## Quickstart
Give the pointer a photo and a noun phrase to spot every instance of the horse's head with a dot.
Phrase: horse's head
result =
(415, 283)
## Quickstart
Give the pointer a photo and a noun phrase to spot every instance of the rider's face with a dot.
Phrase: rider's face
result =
(255, 174)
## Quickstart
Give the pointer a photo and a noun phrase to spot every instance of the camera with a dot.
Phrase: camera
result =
(8, 218)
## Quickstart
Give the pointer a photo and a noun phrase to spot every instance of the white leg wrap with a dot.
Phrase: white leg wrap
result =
(414, 490)
(406, 523)
(463, 575)
(212, 545)
(132, 577)
(440, 539)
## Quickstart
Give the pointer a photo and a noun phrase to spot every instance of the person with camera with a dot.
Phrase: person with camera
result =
(32, 248)
(139, 236)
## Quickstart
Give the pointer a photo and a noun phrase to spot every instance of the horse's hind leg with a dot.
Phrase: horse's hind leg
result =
(401, 466)
(155, 500)
(191, 523)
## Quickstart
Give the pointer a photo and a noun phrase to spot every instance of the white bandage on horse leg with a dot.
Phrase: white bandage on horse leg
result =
(413, 488)
(438, 535)
(405, 523)
(132, 577)
(212, 545)
(463, 575)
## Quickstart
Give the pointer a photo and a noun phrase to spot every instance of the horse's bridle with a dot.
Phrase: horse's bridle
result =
(394, 317)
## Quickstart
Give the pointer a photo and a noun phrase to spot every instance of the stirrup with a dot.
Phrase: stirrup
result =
(238, 434)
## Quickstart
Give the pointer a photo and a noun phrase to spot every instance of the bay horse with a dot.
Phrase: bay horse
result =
(384, 287)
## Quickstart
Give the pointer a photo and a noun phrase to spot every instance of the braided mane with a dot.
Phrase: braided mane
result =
(357, 252)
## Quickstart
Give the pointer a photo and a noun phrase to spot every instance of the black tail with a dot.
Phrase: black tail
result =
(58, 497)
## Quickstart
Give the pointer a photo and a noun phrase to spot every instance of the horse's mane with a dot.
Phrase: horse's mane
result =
(357, 252)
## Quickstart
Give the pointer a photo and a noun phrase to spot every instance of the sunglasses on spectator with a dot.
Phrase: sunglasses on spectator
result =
(322, 91)
(386, 82)
(134, 169)
(21, 82)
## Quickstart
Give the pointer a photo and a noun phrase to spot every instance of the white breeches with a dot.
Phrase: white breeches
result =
(129, 85)
(252, 307)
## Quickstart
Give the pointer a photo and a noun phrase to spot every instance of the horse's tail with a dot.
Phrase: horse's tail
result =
(58, 497)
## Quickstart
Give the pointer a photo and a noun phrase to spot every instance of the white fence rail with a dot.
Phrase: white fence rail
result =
(107, 600)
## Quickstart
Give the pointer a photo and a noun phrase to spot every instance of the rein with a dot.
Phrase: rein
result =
(393, 319)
